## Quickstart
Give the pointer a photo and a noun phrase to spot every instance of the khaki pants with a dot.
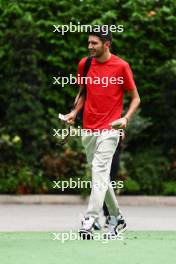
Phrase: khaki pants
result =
(99, 151)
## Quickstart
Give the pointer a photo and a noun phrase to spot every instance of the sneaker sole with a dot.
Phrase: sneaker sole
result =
(86, 235)
(113, 237)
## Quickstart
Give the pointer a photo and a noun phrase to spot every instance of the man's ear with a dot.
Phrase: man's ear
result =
(107, 44)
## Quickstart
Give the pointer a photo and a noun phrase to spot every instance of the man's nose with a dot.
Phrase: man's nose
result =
(90, 46)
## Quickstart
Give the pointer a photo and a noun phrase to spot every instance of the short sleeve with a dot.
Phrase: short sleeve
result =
(128, 79)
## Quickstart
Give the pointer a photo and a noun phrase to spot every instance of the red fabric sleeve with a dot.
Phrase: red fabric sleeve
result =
(128, 80)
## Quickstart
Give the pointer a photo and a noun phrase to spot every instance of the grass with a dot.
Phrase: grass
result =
(140, 247)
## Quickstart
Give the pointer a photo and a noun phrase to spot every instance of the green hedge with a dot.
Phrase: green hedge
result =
(31, 54)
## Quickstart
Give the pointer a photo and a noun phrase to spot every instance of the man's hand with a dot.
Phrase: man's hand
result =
(119, 123)
(70, 118)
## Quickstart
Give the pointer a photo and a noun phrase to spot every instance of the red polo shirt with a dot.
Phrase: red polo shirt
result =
(106, 84)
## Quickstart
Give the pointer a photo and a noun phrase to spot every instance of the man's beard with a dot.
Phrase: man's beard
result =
(97, 54)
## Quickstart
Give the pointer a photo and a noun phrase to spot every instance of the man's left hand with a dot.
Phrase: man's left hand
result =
(119, 123)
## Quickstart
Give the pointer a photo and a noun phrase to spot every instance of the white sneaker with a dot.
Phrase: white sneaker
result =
(116, 226)
(85, 231)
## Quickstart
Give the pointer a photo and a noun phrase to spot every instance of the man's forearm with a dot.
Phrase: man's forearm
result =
(79, 103)
(132, 108)
(79, 100)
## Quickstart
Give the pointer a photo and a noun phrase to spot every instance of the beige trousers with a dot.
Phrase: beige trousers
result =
(99, 151)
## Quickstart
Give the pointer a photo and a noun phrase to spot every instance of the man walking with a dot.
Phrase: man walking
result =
(103, 106)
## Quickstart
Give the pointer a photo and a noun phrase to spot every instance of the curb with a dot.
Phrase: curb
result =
(76, 199)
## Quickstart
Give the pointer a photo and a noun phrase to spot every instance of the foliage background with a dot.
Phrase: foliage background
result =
(31, 54)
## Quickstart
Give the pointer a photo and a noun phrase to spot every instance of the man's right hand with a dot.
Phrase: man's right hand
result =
(70, 118)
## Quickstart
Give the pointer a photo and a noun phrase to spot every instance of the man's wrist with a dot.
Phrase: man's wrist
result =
(127, 119)
(74, 112)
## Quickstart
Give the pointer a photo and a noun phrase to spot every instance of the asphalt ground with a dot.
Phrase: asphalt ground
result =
(49, 217)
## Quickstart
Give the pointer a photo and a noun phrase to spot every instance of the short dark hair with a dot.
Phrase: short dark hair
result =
(100, 32)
